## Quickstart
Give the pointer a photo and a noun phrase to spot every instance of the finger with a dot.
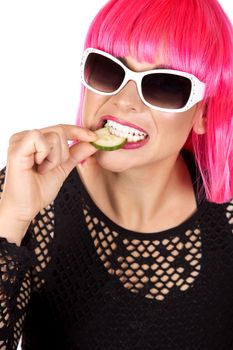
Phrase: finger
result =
(18, 136)
(72, 132)
(78, 153)
(54, 157)
(64, 145)
(64, 150)
(23, 149)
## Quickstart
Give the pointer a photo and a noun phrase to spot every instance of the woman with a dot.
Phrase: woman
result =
(132, 248)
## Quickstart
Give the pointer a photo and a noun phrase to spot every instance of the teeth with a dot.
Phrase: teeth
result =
(130, 139)
(132, 135)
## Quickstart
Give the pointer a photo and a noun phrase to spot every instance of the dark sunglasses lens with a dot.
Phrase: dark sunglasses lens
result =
(166, 90)
(103, 74)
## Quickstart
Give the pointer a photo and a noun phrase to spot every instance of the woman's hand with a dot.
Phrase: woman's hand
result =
(38, 163)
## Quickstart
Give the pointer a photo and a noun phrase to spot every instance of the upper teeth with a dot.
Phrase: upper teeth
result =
(133, 135)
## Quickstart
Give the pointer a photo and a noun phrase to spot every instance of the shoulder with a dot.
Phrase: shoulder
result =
(219, 218)
(228, 209)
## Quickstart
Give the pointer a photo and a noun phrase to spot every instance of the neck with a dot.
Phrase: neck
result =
(152, 198)
(140, 195)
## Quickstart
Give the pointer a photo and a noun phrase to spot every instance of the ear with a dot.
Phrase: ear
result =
(199, 126)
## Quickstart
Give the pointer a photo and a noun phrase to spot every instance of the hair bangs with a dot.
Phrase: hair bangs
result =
(122, 37)
(181, 33)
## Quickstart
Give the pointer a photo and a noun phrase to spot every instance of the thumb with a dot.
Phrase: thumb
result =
(78, 152)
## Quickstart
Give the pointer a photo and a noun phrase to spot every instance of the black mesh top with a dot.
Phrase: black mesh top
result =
(80, 281)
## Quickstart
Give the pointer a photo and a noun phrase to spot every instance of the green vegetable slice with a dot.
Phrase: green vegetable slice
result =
(107, 141)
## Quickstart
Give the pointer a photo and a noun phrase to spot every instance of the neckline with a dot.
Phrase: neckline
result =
(182, 227)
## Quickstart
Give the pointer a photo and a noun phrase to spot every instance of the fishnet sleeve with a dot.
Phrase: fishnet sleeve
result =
(20, 269)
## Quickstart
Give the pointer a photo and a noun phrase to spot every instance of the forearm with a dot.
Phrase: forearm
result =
(14, 281)
(10, 228)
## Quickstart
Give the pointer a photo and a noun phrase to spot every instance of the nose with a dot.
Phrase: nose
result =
(128, 98)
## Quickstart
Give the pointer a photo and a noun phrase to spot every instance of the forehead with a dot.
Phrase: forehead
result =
(139, 66)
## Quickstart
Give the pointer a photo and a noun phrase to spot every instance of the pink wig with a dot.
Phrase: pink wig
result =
(198, 38)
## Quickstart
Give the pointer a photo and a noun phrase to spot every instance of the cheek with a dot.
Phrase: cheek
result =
(174, 128)
(92, 102)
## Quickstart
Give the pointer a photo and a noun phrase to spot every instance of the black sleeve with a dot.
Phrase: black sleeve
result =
(17, 270)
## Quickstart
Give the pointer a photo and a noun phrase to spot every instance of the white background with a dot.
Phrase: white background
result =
(40, 48)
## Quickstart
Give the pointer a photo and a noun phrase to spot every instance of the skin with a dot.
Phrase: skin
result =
(141, 185)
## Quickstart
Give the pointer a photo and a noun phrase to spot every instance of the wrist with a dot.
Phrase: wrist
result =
(12, 228)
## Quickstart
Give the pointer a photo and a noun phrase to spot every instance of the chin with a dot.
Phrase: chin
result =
(108, 161)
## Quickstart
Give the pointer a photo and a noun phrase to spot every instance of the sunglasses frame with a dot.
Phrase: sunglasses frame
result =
(197, 87)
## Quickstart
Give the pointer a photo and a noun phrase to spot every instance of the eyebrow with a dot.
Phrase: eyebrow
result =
(161, 66)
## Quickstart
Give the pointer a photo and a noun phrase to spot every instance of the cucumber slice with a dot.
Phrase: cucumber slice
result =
(107, 141)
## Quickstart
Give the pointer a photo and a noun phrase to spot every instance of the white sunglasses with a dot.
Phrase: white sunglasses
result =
(166, 90)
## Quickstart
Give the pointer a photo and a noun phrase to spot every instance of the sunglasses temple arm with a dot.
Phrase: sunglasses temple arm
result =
(200, 93)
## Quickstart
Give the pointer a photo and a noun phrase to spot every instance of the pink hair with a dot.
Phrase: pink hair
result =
(198, 38)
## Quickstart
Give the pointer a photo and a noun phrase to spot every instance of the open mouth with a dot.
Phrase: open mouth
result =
(131, 134)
